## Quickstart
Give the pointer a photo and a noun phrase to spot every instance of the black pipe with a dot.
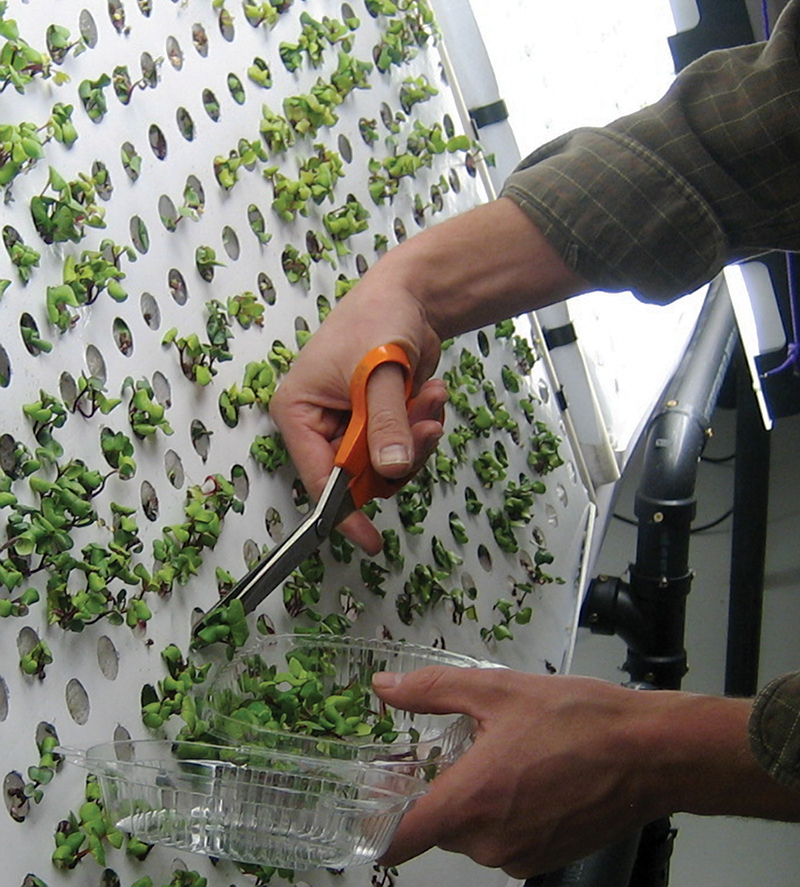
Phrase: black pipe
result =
(649, 612)
(748, 541)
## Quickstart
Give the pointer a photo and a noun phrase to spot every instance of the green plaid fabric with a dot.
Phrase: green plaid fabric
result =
(659, 201)
(775, 730)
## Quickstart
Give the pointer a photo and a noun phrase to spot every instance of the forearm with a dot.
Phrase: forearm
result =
(696, 758)
(478, 268)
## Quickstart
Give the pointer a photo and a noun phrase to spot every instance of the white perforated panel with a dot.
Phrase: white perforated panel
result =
(177, 124)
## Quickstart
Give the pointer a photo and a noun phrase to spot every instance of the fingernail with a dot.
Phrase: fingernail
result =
(386, 680)
(396, 454)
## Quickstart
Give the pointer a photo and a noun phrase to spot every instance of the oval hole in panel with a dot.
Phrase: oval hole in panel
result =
(258, 225)
(455, 182)
(177, 286)
(174, 469)
(102, 180)
(230, 242)
(5, 368)
(174, 53)
(211, 105)
(266, 288)
(274, 523)
(484, 558)
(241, 482)
(158, 141)
(107, 658)
(167, 212)
(201, 438)
(139, 234)
(200, 39)
(226, 27)
(124, 747)
(544, 392)
(87, 28)
(68, 389)
(251, 553)
(149, 69)
(400, 230)
(345, 148)
(29, 330)
(236, 89)
(122, 336)
(4, 701)
(162, 389)
(185, 123)
(131, 161)
(95, 363)
(149, 500)
(194, 193)
(77, 701)
(17, 804)
(150, 311)
(116, 12)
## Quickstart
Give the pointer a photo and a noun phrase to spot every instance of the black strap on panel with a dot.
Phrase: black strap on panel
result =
(486, 115)
(560, 335)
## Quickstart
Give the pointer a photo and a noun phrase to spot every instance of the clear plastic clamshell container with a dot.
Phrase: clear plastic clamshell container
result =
(421, 744)
(250, 805)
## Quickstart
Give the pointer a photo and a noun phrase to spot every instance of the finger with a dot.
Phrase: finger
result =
(391, 443)
(442, 689)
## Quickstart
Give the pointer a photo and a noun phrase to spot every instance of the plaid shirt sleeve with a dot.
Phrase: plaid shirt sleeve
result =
(659, 201)
(775, 730)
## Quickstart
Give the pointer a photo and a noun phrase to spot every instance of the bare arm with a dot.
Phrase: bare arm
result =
(562, 766)
(483, 266)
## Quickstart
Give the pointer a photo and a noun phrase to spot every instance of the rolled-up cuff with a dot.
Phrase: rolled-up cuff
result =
(618, 215)
(774, 730)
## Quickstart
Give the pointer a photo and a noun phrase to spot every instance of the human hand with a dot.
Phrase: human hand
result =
(312, 404)
(562, 766)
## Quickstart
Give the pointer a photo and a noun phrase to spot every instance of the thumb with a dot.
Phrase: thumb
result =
(441, 689)
(390, 441)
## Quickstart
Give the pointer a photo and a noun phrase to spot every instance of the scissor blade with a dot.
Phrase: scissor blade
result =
(334, 505)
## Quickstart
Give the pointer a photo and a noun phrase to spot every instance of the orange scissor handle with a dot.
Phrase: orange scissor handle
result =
(353, 452)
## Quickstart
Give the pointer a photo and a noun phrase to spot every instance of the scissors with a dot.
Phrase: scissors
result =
(352, 483)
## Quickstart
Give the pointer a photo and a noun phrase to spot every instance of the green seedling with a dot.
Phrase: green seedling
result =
(270, 451)
(84, 279)
(296, 265)
(24, 257)
(544, 456)
(119, 453)
(392, 549)
(59, 43)
(86, 833)
(146, 415)
(20, 63)
(174, 694)
(310, 112)
(259, 72)
(92, 95)
(267, 13)
(205, 259)
(34, 663)
(414, 90)
(275, 131)
(65, 214)
(198, 359)
(246, 309)
(344, 222)
(350, 74)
